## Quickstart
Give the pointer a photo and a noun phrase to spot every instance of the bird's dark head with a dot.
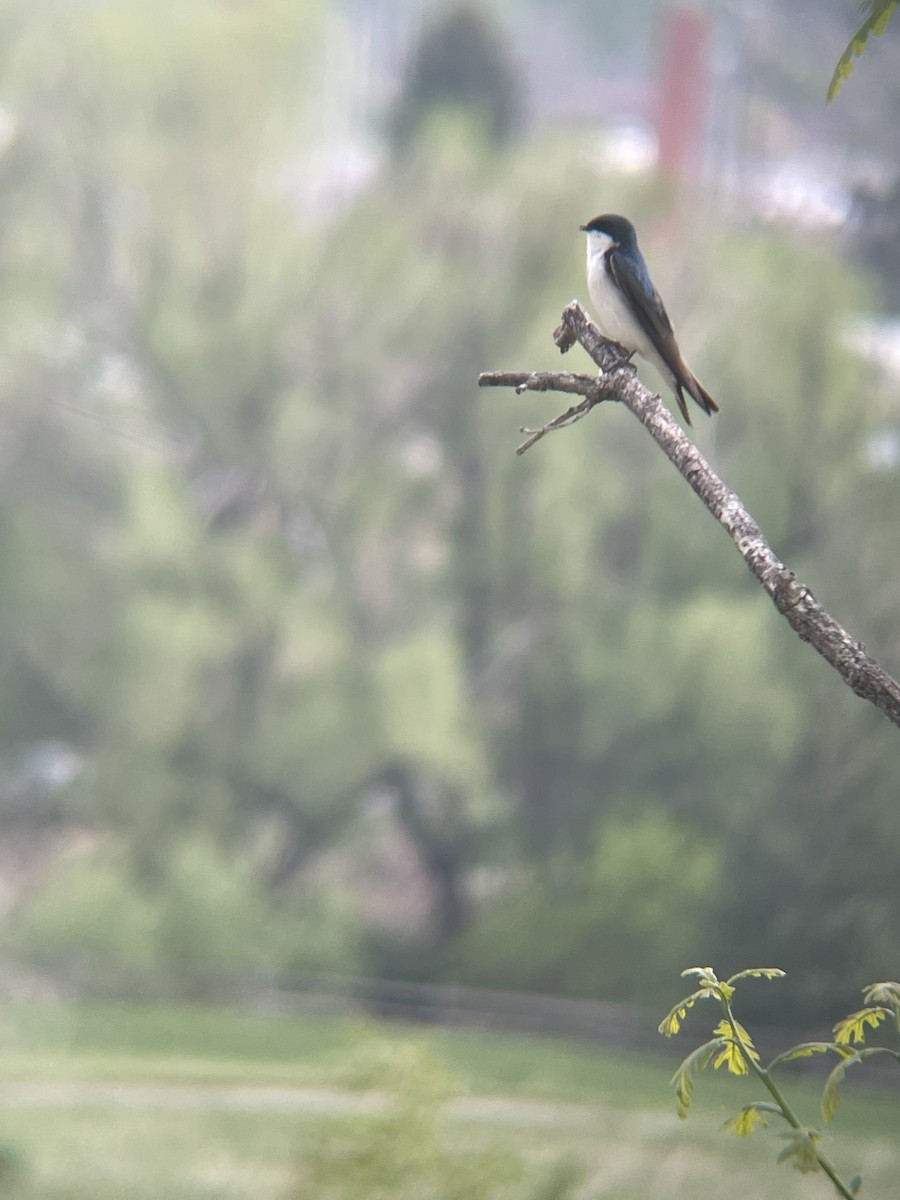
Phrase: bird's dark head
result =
(619, 230)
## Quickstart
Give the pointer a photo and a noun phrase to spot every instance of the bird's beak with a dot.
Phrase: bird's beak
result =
(583, 228)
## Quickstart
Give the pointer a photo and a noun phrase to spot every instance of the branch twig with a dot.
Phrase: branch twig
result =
(588, 386)
(794, 601)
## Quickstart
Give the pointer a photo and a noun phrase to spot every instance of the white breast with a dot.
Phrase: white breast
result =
(613, 314)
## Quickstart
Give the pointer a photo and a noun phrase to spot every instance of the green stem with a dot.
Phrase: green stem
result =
(786, 1111)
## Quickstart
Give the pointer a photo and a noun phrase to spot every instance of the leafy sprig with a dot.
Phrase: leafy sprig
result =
(733, 1048)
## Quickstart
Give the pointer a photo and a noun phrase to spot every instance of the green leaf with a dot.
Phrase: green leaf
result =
(881, 12)
(733, 1057)
(758, 973)
(711, 988)
(842, 71)
(737, 1045)
(743, 1035)
(887, 993)
(853, 1028)
(831, 1097)
(706, 975)
(671, 1023)
(800, 1151)
(748, 1120)
(683, 1079)
(883, 17)
(807, 1050)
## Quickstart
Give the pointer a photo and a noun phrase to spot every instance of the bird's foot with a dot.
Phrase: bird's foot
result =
(622, 362)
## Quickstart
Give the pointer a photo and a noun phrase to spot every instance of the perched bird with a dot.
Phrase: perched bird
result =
(629, 309)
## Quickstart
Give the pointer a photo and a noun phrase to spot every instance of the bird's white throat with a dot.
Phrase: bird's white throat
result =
(597, 243)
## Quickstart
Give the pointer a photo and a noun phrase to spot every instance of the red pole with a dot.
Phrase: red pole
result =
(682, 92)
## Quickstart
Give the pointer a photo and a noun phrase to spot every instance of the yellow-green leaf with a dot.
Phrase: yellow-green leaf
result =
(731, 1056)
(683, 1079)
(739, 1044)
(806, 1050)
(745, 1037)
(671, 1023)
(881, 12)
(831, 1097)
(800, 1151)
(882, 19)
(706, 975)
(883, 993)
(748, 1120)
(853, 1028)
(758, 973)
(842, 71)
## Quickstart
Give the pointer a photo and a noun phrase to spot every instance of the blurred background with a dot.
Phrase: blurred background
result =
(311, 687)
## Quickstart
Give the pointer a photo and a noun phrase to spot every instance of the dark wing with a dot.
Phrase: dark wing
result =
(636, 286)
(633, 280)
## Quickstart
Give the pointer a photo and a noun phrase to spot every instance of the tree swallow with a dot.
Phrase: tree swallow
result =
(629, 309)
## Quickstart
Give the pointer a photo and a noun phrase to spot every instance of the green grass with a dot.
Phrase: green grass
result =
(623, 1132)
(201, 1045)
(184, 1031)
(107, 1043)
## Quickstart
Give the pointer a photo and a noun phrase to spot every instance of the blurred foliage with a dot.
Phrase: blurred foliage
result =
(90, 904)
(404, 1149)
(352, 686)
(15, 1168)
(876, 238)
(460, 61)
(207, 911)
(575, 924)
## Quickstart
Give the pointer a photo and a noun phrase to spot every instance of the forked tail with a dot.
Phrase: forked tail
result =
(692, 385)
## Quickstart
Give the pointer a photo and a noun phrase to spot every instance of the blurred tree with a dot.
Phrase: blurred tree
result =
(291, 578)
(875, 234)
(460, 62)
(153, 270)
(832, 920)
(600, 923)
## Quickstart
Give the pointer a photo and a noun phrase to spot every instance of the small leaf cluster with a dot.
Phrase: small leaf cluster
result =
(732, 1047)
(882, 1004)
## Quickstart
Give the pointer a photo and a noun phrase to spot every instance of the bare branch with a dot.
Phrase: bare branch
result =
(541, 381)
(592, 388)
(793, 599)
